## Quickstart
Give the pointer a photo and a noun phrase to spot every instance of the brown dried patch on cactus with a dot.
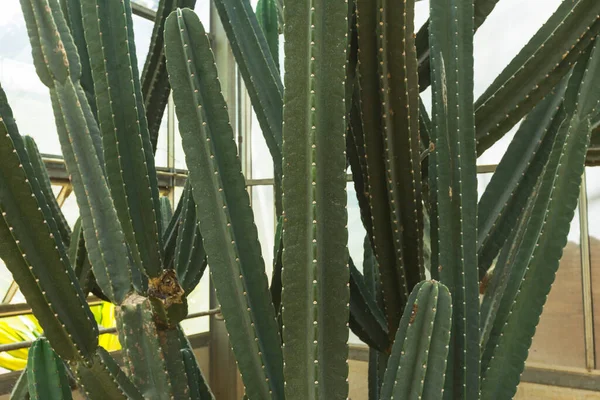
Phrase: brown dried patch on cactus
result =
(166, 287)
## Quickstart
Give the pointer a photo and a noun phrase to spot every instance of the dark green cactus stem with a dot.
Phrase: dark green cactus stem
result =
(129, 159)
(394, 285)
(223, 207)
(46, 186)
(166, 213)
(315, 274)
(102, 379)
(399, 95)
(154, 78)
(554, 209)
(79, 259)
(46, 373)
(190, 257)
(37, 258)
(512, 183)
(455, 185)
(109, 257)
(199, 389)
(266, 14)
(416, 367)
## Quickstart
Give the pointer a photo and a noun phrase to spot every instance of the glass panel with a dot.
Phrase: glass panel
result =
(160, 157)
(356, 237)
(70, 209)
(142, 30)
(26, 94)
(151, 4)
(262, 162)
(264, 217)
(483, 180)
(593, 198)
(559, 338)
(5, 279)
(198, 301)
(202, 8)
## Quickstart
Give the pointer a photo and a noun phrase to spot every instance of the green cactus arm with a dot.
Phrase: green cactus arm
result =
(512, 183)
(141, 348)
(453, 138)
(38, 257)
(166, 213)
(130, 173)
(72, 13)
(533, 73)
(79, 259)
(500, 285)
(266, 14)
(395, 288)
(199, 390)
(222, 207)
(355, 151)
(483, 8)
(37, 166)
(21, 389)
(190, 257)
(367, 320)
(46, 373)
(78, 147)
(557, 200)
(258, 69)
(46, 186)
(315, 259)
(170, 233)
(417, 364)
(276, 284)
(400, 105)
(103, 379)
(154, 79)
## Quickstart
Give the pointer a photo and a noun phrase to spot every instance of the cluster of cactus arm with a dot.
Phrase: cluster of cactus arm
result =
(353, 73)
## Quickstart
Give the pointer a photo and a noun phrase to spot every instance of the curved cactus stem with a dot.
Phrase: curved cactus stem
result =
(223, 207)
(129, 160)
(103, 379)
(154, 78)
(21, 389)
(79, 259)
(46, 373)
(453, 150)
(399, 95)
(367, 321)
(109, 257)
(166, 213)
(258, 69)
(190, 257)
(315, 274)
(546, 237)
(534, 72)
(199, 389)
(266, 14)
(46, 186)
(417, 364)
(512, 183)
(37, 258)
(171, 231)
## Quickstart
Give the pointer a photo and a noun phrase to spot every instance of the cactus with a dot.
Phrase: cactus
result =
(353, 72)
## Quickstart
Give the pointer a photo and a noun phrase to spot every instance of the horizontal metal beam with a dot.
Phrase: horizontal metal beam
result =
(142, 11)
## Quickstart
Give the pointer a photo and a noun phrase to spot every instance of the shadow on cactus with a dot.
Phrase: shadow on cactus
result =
(351, 77)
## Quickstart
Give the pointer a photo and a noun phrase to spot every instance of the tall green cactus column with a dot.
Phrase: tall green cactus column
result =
(454, 178)
(315, 271)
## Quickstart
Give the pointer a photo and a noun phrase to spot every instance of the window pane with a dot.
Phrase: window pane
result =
(264, 217)
(262, 162)
(151, 4)
(198, 301)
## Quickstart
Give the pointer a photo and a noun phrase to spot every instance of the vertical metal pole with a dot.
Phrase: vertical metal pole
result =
(224, 377)
(586, 281)
(171, 147)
